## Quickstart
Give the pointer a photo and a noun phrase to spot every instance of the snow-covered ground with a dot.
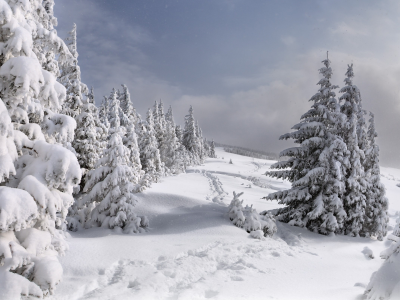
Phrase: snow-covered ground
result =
(192, 251)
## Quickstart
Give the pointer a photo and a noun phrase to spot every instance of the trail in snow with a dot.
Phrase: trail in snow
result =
(217, 194)
(190, 275)
(262, 182)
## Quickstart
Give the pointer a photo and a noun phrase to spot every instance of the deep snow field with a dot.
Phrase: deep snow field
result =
(192, 250)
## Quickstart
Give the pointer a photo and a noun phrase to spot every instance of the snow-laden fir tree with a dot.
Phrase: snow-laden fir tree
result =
(37, 178)
(206, 146)
(114, 114)
(104, 111)
(317, 167)
(202, 149)
(127, 106)
(128, 119)
(355, 197)
(111, 186)
(376, 217)
(171, 149)
(190, 139)
(160, 132)
(90, 142)
(90, 135)
(149, 153)
(212, 150)
(183, 154)
(71, 79)
(158, 121)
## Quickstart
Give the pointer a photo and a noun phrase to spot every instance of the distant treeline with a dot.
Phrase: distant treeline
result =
(248, 152)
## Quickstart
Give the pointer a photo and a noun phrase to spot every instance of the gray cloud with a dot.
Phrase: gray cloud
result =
(248, 68)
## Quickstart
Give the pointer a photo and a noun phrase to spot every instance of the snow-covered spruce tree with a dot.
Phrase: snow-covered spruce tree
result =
(89, 135)
(111, 186)
(90, 142)
(149, 153)
(376, 217)
(71, 79)
(182, 153)
(128, 119)
(160, 133)
(127, 106)
(206, 146)
(202, 149)
(212, 150)
(37, 178)
(114, 114)
(189, 138)
(104, 111)
(355, 197)
(316, 168)
(158, 124)
(171, 149)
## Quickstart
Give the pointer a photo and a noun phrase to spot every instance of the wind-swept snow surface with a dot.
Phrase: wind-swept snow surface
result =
(193, 251)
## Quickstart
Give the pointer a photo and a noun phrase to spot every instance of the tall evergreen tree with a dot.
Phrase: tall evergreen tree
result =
(377, 204)
(128, 119)
(71, 79)
(190, 139)
(212, 150)
(356, 183)
(127, 106)
(89, 135)
(37, 178)
(172, 150)
(316, 167)
(111, 185)
(114, 113)
(104, 112)
(202, 150)
(149, 153)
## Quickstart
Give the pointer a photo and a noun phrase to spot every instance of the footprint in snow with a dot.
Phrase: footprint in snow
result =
(134, 285)
(368, 253)
(210, 294)
(276, 254)
(236, 278)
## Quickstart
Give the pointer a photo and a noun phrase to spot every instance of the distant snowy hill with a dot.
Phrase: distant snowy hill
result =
(192, 250)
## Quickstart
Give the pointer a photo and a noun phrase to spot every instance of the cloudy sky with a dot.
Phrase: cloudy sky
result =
(248, 67)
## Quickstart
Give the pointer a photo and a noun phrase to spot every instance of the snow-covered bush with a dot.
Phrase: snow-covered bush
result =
(268, 223)
(252, 219)
(248, 218)
(235, 210)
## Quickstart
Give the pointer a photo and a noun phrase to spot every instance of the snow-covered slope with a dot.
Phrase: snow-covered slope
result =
(192, 251)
